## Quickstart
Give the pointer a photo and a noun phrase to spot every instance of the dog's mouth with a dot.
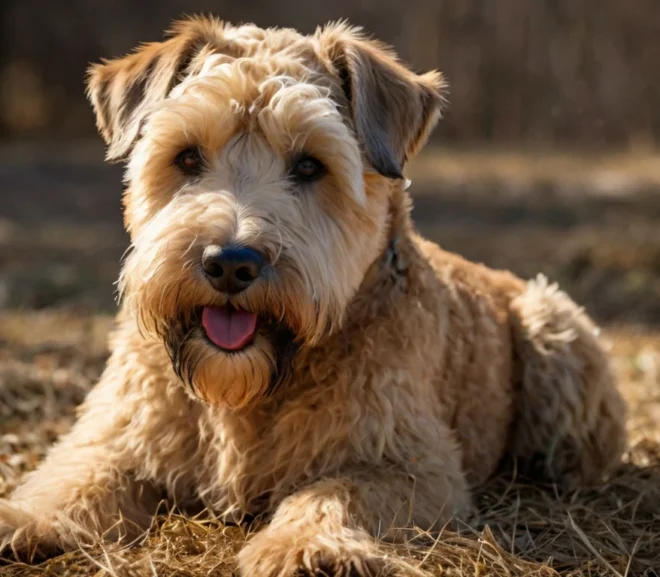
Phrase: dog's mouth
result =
(232, 332)
(229, 328)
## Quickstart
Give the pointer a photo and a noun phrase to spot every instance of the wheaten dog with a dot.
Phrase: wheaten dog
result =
(287, 346)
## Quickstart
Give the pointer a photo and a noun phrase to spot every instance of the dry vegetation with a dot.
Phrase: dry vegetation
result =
(591, 224)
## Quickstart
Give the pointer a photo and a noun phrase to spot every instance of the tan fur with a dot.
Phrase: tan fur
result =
(416, 373)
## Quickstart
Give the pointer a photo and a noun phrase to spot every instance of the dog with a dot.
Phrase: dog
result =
(288, 349)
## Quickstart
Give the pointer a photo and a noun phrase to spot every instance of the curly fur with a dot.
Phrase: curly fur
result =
(388, 378)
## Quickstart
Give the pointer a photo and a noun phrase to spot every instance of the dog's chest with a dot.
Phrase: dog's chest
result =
(332, 427)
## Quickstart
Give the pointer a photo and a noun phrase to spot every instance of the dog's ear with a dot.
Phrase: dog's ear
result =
(124, 89)
(392, 108)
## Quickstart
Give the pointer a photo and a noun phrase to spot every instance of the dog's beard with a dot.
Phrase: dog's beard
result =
(226, 368)
(300, 298)
(231, 378)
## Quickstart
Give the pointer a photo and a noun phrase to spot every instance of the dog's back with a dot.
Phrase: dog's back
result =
(544, 386)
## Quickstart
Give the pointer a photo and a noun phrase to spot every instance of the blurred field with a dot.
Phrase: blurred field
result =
(590, 222)
(550, 72)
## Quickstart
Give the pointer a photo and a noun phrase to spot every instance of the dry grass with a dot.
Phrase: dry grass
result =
(50, 359)
(606, 252)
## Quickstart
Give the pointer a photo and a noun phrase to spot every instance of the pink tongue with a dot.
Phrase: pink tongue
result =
(229, 328)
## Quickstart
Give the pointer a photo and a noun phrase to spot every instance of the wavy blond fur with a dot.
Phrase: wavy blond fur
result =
(411, 374)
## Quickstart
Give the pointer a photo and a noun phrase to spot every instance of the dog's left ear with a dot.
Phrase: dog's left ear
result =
(393, 109)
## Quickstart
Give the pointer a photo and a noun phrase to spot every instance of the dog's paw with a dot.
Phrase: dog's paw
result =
(291, 553)
(25, 536)
(12, 520)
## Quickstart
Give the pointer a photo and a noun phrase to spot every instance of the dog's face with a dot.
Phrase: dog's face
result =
(260, 165)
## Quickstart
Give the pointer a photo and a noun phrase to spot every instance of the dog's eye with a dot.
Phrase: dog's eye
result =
(307, 169)
(190, 161)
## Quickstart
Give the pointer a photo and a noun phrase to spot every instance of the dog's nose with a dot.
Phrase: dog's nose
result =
(231, 270)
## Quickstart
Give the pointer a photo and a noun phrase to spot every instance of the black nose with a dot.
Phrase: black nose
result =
(231, 270)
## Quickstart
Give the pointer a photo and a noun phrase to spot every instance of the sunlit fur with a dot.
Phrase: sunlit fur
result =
(388, 378)
(318, 237)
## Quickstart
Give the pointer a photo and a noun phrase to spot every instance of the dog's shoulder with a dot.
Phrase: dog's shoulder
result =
(464, 275)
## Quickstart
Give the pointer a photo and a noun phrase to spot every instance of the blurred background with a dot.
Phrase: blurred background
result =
(572, 72)
(545, 160)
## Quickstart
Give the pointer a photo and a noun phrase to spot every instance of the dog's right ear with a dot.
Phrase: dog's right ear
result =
(123, 90)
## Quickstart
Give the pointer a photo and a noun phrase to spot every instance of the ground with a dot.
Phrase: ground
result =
(588, 221)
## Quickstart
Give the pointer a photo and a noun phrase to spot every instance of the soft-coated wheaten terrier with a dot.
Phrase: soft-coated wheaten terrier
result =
(287, 346)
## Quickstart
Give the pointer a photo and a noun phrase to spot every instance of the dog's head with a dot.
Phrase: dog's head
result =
(260, 166)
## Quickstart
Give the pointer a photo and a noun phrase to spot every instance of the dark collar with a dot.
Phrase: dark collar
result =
(391, 262)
